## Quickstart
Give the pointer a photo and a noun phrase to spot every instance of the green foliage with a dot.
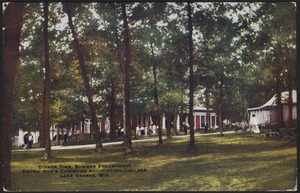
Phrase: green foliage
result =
(29, 83)
(249, 43)
(172, 102)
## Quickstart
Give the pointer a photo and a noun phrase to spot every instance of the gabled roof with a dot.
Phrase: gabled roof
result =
(272, 101)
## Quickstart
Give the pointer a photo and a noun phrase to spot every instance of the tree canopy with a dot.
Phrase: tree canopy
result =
(240, 49)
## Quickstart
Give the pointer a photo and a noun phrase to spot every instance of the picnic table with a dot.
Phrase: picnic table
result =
(272, 134)
(284, 132)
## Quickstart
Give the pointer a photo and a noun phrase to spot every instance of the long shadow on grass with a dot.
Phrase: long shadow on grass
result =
(217, 160)
(170, 148)
(188, 174)
(85, 156)
(204, 146)
(174, 167)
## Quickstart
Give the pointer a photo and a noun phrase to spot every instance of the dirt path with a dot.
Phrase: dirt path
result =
(114, 143)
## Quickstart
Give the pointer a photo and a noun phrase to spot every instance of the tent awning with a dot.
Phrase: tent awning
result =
(272, 101)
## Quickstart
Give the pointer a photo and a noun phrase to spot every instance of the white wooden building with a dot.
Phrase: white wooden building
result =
(200, 118)
(104, 126)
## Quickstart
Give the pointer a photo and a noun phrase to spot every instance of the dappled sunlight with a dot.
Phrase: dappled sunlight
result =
(238, 162)
(149, 96)
(156, 161)
(204, 182)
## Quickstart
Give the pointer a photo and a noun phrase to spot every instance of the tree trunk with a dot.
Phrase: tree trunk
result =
(156, 102)
(168, 125)
(278, 86)
(191, 94)
(221, 106)
(94, 129)
(207, 102)
(46, 96)
(159, 124)
(279, 104)
(126, 88)
(52, 126)
(57, 135)
(62, 133)
(68, 130)
(175, 124)
(42, 141)
(12, 25)
(142, 120)
(134, 124)
(290, 102)
(82, 125)
(148, 124)
(72, 128)
(180, 120)
(112, 132)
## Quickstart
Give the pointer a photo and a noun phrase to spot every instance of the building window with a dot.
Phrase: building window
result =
(202, 121)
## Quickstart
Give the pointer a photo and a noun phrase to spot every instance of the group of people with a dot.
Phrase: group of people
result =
(145, 130)
(28, 141)
(140, 130)
(186, 127)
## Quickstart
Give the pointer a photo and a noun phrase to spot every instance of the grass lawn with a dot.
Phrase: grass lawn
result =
(236, 162)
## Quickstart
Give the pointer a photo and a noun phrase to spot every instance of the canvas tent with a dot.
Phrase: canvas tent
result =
(267, 113)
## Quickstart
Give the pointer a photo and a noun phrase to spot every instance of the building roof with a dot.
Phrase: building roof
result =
(200, 108)
(272, 101)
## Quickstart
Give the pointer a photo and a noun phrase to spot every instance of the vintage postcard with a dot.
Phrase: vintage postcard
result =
(149, 96)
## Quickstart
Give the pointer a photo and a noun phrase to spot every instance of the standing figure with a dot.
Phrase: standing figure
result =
(30, 141)
(154, 129)
(119, 131)
(26, 141)
(142, 130)
(65, 139)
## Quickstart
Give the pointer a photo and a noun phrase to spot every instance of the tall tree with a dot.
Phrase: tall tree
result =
(155, 93)
(278, 46)
(290, 60)
(156, 15)
(46, 95)
(156, 100)
(69, 8)
(207, 105)
(12, 24)
(174, 68)
(278, 86)
(191, 93)
(148, 35)
(111, 60)
(220, 117)
(218, 32)
(113, 134)
(126, 91)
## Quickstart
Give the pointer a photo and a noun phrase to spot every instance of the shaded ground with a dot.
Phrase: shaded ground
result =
(237, 162)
